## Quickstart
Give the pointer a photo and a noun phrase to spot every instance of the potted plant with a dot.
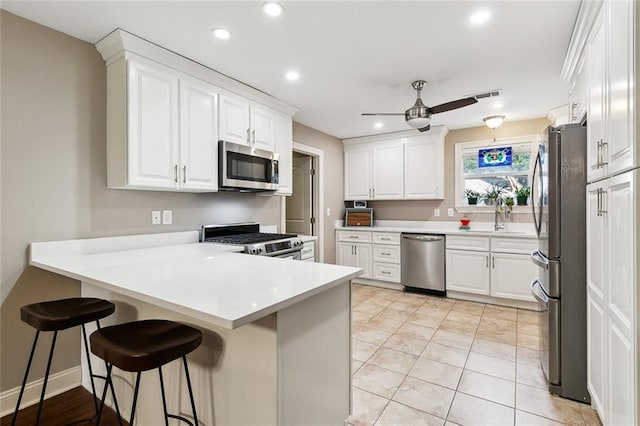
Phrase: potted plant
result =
(509, 203)
(522, 194)
(472, 196)
(492, 195)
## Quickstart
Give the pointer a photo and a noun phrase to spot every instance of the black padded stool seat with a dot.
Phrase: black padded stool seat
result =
(57, 315)
(65, 313)
(143, 345)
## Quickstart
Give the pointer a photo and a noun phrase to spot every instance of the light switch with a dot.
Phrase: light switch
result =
(328, 211)
(450, 212)
(167, 217)
(155, 217)
(436, 212)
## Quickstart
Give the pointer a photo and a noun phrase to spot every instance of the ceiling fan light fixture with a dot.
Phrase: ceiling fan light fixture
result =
(494, 121)
(418, 122)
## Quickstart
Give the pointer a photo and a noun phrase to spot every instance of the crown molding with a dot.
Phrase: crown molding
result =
(587, 15)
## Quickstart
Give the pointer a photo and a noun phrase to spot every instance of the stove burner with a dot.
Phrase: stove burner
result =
(250, 238)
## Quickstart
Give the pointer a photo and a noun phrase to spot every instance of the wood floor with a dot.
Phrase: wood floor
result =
(64, 409)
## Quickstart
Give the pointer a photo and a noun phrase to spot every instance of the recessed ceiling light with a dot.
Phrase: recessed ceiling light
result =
(497, 105)
(378, 125)
(480, 17)
(221, 33)
(292, 75)
(272, 8)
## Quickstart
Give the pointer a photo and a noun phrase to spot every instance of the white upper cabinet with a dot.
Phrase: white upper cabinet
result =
(403, 166)
(166, 114)
(596, 59)
(198, 135)
(423, 168)
(246, 123)
(387, 174)
(152, 126)
(357, 172)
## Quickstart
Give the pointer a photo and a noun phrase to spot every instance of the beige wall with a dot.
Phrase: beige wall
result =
(333, 180)
(423, 210)
(53, 178)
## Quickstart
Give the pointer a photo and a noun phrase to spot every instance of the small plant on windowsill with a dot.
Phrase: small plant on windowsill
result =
(508, 202)
(472, 196)
(522, 194)
(492, 195)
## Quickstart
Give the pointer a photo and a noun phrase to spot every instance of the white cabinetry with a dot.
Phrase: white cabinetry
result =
(612, 296)
(308, 252)
(162, 129)
(246, 123)
(578, 94)
(386, 256)
(398, 167)
(496, 267)
(357, 255)
(377, 253)
(284, 141)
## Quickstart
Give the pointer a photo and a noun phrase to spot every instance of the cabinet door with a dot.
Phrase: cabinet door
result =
(284, 141)
(578, 95)
(596, 60)
(423, 169)
(619, 151)
(596, 322)
(357, 173)
(263, 128)
(468, 271)
(345, 254)
(363, 259)
(152, 126)
(234, 120)
(620, 204)
(511, 275)
(198, 135)
(388, 179)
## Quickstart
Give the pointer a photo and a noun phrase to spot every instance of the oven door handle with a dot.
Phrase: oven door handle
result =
(538, 291)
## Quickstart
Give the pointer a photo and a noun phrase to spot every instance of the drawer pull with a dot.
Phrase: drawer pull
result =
(385, 239)
(385, 254)
(385, 272)
(355, 237)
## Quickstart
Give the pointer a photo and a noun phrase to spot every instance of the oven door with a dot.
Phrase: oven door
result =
(293, 255)
(243, 167)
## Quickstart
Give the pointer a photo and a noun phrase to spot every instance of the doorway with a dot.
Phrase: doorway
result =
(302, 210)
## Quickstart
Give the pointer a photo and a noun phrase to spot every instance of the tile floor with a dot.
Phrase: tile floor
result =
(422, 360)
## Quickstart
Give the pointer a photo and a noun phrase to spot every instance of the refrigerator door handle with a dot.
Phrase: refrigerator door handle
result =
(537, 222)
(538, 291)
(540, 259)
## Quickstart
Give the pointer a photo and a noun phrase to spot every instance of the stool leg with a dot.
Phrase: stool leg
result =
(46, 376)
(91, 376)
(104, 394)
(164, 399)
(135, 399)
(113, 391)
(26, 375)
(193, 404)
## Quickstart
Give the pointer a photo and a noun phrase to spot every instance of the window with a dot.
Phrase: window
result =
(492, 168)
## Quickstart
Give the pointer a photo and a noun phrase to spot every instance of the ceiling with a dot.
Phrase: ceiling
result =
(354, 56)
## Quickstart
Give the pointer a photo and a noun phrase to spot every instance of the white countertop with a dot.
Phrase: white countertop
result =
(206, 281)
(485, 229)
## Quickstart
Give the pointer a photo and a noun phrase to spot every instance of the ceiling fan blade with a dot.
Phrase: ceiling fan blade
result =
(425, 128)
(382, 113)
(453, 105)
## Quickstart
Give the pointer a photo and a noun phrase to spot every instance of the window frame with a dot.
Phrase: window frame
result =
(459, 170)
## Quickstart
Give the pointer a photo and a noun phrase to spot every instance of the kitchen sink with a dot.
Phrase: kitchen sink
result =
(473, 231)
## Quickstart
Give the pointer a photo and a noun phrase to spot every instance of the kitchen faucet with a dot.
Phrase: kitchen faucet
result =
(496, 223)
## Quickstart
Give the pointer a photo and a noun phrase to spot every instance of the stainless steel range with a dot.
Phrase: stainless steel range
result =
(253, 241)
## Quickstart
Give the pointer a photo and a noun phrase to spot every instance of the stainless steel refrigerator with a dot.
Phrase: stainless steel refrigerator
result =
(559, 204)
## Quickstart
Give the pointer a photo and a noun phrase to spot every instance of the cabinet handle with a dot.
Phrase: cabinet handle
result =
(175, 173)
(184, 174)
(355, 237)
(373, 193)
(253, 137)
(249, 136)
(355, 249)
(598, 202)
(603, 193)
(572, 111)
(493, 262)
(486, 261)
(385, 239)
(385, 272)
(369, 192)
(603, 144)
(385, 254)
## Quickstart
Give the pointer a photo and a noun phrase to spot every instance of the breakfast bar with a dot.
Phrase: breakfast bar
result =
(267, 323)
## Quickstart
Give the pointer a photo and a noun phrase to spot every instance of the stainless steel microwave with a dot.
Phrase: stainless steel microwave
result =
(245, 168)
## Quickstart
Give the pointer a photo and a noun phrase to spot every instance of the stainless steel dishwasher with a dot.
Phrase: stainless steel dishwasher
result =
(423, 262)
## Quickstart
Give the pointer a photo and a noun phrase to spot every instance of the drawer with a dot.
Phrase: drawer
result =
(308, 251)
(513, 245)
(387, 254)
(392, 238)
(359, 236)
(386, 272)
(468, 243)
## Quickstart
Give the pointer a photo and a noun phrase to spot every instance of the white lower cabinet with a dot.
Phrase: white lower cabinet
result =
(308, 252)
(357, 255)
(497, 267)
(613, 223)
(377, 253)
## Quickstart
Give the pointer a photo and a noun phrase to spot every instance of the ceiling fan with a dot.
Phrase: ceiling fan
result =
(419, 115)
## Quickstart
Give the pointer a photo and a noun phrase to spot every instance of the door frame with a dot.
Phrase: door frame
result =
(318, 155)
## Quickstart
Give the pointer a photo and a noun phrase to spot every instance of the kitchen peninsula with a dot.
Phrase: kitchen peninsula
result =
(276, 347)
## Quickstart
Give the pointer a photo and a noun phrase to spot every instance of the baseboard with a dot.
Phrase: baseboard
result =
(58, 383)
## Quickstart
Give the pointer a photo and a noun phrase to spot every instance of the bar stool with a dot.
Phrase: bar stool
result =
(56, 315)
(144, 345)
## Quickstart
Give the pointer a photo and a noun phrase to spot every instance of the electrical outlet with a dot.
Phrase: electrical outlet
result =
(436, 212)
(450, 212)
(167, 217)
(155, 217)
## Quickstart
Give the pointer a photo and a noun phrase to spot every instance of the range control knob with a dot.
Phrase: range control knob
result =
(253, 250)
(260, 250)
